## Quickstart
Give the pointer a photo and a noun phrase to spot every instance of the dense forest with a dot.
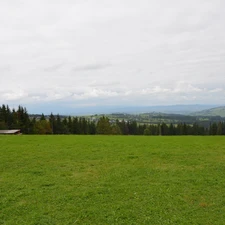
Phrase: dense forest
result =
(56, 124)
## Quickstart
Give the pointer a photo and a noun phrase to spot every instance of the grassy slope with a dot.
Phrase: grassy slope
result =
(112, 180)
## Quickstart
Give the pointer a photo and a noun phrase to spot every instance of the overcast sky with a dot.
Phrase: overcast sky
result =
(121, 52)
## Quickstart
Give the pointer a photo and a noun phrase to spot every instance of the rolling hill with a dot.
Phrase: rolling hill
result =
(218, 111)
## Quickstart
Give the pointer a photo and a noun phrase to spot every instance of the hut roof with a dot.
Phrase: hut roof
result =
(9, 131)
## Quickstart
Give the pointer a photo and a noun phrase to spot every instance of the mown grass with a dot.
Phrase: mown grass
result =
(112, 180)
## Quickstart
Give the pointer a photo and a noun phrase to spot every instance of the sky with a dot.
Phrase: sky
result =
(84, 53)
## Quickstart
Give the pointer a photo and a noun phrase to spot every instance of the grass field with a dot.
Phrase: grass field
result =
(112, 180)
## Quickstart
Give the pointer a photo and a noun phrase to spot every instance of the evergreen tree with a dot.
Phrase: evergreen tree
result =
(70, 125)
(103, 126)
(172, 130)
(52, 122)
(92, 128)
(219, 129)
(213, 129)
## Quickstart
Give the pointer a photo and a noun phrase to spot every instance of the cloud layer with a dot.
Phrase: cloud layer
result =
(112, 52)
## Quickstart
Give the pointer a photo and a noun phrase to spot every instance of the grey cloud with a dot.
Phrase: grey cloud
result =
(106, 84)
(123, 51)
(90, 67)
(183, 93)
(54, 67)
(6, 68)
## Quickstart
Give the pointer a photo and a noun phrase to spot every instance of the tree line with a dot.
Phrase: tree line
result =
(56, 124)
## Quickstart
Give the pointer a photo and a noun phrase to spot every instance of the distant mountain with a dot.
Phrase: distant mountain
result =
(218, 111)
(64, 109)
(174, 109)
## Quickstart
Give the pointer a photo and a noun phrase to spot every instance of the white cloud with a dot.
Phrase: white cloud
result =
(128, 52)
(216, 90)
(14, 95)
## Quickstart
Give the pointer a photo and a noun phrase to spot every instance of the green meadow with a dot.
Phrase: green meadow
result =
(112, 180)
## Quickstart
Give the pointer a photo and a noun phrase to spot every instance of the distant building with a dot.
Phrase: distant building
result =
(10, 132)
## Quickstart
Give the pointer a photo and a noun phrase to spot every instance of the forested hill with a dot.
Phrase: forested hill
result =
(155, 118)
(218, 111)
